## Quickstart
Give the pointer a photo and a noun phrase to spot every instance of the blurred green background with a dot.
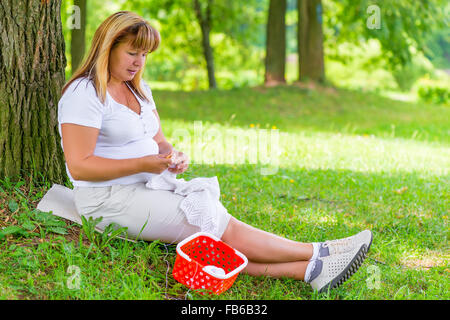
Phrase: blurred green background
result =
(407, 58)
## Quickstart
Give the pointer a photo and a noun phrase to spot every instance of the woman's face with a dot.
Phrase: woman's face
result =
(125, 62)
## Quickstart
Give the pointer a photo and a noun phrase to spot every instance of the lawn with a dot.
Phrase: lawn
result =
(309, 165)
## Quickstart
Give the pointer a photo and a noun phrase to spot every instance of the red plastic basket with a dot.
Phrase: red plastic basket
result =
(201, 250)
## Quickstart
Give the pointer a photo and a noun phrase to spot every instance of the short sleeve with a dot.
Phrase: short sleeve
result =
(80, 105)
(148, 93)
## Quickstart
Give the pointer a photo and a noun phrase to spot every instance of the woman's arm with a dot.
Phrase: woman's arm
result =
(79, 145)
(160, 139)
(165, 147)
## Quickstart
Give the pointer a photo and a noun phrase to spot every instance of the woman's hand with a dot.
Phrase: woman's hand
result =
(180, 162)
(156, 163)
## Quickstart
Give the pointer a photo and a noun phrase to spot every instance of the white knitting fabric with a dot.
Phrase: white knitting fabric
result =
(200, 202)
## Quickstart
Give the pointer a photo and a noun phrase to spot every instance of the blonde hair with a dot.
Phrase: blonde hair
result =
(122, 26)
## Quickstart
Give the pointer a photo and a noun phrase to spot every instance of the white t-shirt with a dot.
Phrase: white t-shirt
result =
(123, 133)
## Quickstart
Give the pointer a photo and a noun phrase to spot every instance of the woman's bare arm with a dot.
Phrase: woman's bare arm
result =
(160, 139)
(165, 147)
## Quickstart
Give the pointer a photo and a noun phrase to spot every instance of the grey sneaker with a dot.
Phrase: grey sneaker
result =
(331, 271)
(346, 244)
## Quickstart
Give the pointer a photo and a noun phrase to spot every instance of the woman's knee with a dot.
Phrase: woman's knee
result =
(230, 231)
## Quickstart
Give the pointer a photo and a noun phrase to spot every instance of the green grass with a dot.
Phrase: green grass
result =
(344, 161)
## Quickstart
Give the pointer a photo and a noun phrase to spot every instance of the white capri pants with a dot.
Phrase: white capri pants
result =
(134, 205)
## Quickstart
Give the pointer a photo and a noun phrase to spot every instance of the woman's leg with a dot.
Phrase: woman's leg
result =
(263, 247)
(294, 270)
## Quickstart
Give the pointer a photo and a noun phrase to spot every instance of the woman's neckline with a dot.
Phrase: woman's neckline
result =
(121, 104)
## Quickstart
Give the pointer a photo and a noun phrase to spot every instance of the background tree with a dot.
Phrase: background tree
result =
(203, 14)
(310, 41)
(275, 61)
(32, 65)
(78, 34)
(236, 37)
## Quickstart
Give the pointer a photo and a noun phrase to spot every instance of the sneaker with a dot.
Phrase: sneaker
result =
(338, 246)
(332, 271)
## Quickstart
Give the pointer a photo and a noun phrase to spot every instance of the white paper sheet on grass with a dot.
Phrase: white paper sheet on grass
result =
(59, 201)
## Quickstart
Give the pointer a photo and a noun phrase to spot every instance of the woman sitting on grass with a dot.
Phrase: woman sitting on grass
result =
(114, 145)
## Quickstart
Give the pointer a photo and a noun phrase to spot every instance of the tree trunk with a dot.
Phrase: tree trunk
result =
(78, 35)
(32, 66)
(205, 24)
(310, 40)
(276, 43)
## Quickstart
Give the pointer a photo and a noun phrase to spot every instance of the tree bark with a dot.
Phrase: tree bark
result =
(275, 62)
(204, 21)
(32, 63)
(78, 36)
(310, 40)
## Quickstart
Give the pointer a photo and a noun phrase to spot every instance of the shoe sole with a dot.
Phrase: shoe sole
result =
(352, 267)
